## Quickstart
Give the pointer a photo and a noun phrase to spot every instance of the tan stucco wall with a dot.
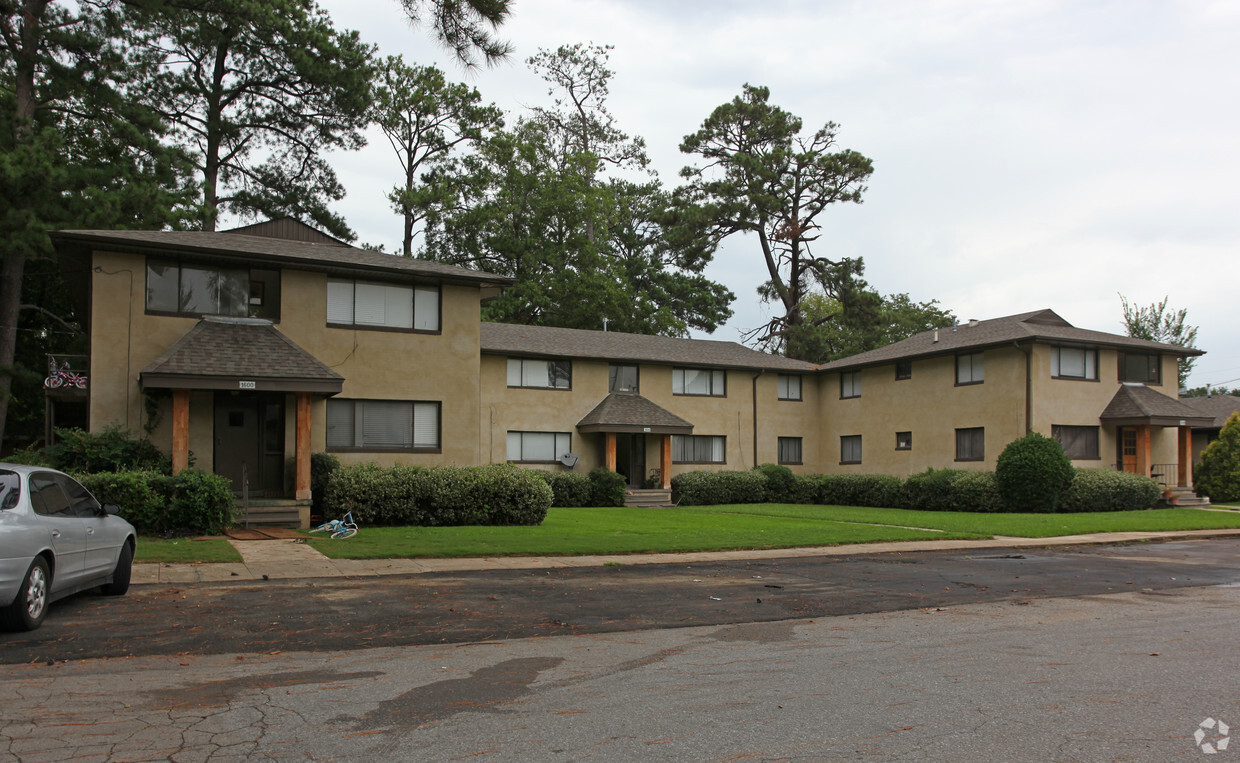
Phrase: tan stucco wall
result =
(383, 365)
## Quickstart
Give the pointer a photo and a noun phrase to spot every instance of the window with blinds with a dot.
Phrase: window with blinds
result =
(789, 387)
(970, 368)
(380, 305)
(540, 374)
(698, 449)
(538, 446)
(1074, 362)
(699, 381)
(383, 425)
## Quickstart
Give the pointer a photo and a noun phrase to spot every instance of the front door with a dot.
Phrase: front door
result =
(1128, 449)
(631, 458)
(249, 441)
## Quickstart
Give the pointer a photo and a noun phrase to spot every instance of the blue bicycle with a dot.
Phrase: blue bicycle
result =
(345, 527)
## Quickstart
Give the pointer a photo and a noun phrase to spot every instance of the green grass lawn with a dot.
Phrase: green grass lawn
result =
(184, 550)
(618, 531)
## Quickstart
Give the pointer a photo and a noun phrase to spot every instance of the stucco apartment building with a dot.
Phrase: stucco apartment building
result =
(246, 351)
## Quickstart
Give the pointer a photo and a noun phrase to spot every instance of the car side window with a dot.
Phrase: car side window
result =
(10, 489)
(80, 499)
(47, 497)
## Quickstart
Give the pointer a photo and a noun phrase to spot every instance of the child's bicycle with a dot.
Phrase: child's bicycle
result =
(344, 527)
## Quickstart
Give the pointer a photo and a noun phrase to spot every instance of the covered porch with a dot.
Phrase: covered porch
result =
(1135, 413)
(628, 424)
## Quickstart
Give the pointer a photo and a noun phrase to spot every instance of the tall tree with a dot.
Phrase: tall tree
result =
(78, 149)
(465, 26)
(425, 118)
(762, 177)
(537, 203)
(829, 333)
(1159, 323)
(259, 91)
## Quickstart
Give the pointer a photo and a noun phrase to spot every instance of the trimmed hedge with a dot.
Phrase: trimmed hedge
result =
(439, 496)
(568, 489)
(607, 488)
(976, 491)
(930, 490)
(1032, 473)
(192, 502)
(714, 488)
(873, 490)
(322, 466)
(1109, 490)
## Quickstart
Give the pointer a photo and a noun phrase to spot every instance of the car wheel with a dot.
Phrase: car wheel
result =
(27, 610)
(120, 576)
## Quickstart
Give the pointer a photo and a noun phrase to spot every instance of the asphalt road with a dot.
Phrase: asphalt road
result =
(438, 608)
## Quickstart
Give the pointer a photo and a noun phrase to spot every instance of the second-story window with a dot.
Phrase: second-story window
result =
(1074, 362)
(789, 387)
(540, 374)
(1140, 367)
(699, 381)
(192, 289)
(850, 384)
(971, 368)
(382, 305)
(622, 378)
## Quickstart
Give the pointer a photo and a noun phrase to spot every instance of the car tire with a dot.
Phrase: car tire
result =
(28, 609)
(120, 576)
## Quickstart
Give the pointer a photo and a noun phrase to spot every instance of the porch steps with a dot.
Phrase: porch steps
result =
(1183, 496)
(649, 499)
(274, 512)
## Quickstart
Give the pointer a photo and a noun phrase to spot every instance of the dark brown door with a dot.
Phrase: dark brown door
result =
(1128, 449)
(237, 435)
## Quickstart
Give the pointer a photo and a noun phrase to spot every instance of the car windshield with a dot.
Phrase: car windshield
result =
(10, 489)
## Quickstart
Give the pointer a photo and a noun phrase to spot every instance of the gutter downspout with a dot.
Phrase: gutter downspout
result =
(1028, 350)
(754, 392)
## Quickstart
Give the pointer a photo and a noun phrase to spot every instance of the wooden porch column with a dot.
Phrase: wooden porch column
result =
(665, 461)
(1143, 450)
(1185, 458)
(303, 447)
(609, 454)
(180, 430)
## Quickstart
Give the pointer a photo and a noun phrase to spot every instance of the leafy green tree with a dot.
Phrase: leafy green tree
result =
(258, 91)
(1218, 474)
(1207, 391)
(762, 177)
(1158, 323)
(536, 203)
(425, 118)
(829, 333)
(78, 149)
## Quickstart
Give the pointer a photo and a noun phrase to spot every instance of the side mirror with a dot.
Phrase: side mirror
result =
(111, 508)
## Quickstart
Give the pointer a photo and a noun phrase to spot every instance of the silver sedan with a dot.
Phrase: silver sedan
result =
(55, 540)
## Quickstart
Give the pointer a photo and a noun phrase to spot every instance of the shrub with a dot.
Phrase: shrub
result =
(976, 491)
(111, 450)
(1109, 490)
(805, 488)
(202, 503)
(607, 488)
(1218, 474)
(142, 495)
(322, 466)
(715, 488)
(780, 482)
(568, 489)
(1032, 473)
(930, 490)
(442, 495)
(875, 490)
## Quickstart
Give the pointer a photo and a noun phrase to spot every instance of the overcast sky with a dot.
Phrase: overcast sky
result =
(1027, 155)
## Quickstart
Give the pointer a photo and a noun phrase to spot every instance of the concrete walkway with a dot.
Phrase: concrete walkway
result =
(290, 559)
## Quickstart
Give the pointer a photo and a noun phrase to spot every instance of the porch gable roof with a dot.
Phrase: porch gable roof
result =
(630, 412)
(225, 353)
(1138, 405)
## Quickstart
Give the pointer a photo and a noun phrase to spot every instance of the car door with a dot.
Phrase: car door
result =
(64, 530)
(103, 538)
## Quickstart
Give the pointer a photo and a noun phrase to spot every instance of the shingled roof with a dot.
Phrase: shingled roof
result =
(545, 341)
(220, 353)
(1137, 404)
(1039, 325)
(1219, 407)
(263, 250)
(630, 412)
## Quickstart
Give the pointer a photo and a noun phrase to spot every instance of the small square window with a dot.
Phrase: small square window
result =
(971, 444)
(850, 449)
(904, 370)
(904, 440)
(850, 384)
(789, 450)
(789, 387)
(970, 368)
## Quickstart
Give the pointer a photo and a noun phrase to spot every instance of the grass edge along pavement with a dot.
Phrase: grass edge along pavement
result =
(620, 530)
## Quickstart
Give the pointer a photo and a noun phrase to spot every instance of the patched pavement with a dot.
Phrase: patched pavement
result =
(340, 612)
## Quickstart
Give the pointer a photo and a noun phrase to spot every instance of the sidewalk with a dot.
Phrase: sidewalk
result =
(291, 559)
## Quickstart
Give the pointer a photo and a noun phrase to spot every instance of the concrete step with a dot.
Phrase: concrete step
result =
(274, 513)
(648, 499)
(1182, 496)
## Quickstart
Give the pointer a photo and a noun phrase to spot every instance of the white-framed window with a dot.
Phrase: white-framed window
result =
(1080, 443)
(538, 447)
(382, 305)
(850, 384)
(971, 444)
(789, 450)
(699, 381)
(850, 449)
(1074, 362)
(383, 425)
(699, 449)
(904, 440)
(789, 387)
(622, 377)
(540, 374)
(970, 368)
